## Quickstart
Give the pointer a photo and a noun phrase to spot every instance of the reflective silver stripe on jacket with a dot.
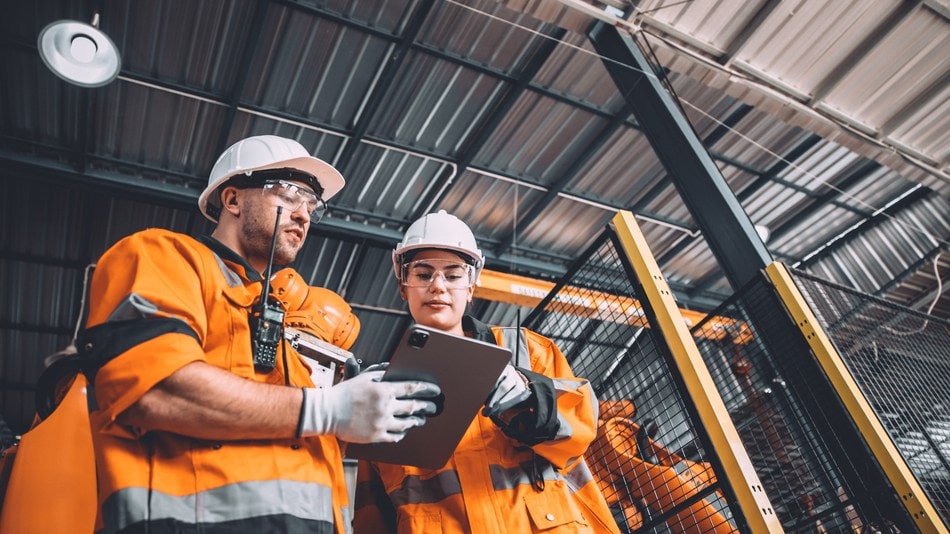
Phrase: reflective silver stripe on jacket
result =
(134, 306)
(564, 385)
(579, 476)
(515, 341)
(230, 276)
(242, 500)
(416, 490)
(509, 478)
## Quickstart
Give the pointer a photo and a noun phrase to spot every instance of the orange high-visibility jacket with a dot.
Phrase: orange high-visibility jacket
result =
(491, 484)
(165, 482)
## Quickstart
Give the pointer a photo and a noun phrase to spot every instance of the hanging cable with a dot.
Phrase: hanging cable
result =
(70, 349)
(930, 309)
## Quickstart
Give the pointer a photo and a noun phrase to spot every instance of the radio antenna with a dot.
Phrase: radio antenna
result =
(265, 291)
(267, 324)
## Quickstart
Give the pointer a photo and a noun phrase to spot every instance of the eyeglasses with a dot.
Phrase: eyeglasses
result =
(423, 273)
(292, 196)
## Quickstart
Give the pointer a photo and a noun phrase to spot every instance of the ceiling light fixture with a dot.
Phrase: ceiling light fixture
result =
(79, 53)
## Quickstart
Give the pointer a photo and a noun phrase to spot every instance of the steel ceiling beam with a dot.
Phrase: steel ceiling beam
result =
(44, 260)
(864, 169)
(36, 328)
(185, 199)
(592, 148)
(446, 56)
(727, 228)
(483, 132)
(714, 136)
(870, 222)
(384, 83)
(717, 134)
(727, 125)
(810, 193)
(233, 98)
(785, 160)
(505, 77)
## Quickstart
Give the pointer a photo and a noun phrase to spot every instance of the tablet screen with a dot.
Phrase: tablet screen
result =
(464, 368)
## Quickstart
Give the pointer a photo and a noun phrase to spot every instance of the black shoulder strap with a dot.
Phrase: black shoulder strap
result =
(100, 344)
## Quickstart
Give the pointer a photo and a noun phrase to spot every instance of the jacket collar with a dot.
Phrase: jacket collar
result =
(478, 329)
(233, 259)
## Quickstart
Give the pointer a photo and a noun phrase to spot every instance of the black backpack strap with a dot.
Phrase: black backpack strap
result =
(98, 345)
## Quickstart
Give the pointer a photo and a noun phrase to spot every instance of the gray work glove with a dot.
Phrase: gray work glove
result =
(364, 409)
(511, 390)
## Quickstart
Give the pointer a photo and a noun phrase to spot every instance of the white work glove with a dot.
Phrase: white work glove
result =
(364, 409)
(511, 390)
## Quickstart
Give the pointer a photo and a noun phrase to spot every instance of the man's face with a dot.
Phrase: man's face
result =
(436, 305)
(258, 216)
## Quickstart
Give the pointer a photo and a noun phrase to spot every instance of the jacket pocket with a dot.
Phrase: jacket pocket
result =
(554, 509)
(429, 523)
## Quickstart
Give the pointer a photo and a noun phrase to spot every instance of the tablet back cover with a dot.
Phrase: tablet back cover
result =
(466, 369)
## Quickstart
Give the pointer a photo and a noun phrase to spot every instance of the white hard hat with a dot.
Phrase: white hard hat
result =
(267, 152)
(442, 231)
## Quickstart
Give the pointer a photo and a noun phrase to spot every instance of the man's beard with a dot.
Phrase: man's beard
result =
(257, 234)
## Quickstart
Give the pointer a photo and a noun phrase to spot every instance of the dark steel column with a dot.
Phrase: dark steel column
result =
(725, 225)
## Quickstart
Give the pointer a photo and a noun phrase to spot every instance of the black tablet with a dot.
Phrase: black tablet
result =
(466, 369)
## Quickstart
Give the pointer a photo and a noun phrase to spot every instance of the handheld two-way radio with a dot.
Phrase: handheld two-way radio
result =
(267, 318)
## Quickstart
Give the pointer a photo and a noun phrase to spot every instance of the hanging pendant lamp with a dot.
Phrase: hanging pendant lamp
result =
(79, 53)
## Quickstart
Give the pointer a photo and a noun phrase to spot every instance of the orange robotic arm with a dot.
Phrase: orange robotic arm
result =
(315, 310)
(626, 478)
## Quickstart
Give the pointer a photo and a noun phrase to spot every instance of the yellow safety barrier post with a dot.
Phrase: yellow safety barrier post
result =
(753, 503)
(911, 494)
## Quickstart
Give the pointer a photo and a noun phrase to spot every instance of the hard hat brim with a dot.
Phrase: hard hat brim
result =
(329, 178)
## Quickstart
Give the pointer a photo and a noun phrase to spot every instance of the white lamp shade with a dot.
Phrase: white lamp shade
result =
(79, 53)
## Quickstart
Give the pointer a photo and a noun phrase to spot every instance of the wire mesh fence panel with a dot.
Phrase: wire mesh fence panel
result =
(788, 454)
(650, 458)
(817, 471)
(900, 360)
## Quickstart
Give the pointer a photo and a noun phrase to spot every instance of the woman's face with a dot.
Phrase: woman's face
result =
(436, 305)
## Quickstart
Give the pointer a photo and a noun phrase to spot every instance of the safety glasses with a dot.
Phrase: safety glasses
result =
(452, 273)
(292, 196)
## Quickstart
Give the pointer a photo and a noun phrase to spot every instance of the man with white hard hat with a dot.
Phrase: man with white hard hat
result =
(200, 421)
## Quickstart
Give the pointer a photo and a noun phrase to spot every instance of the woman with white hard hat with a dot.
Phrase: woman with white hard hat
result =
(519, 466)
